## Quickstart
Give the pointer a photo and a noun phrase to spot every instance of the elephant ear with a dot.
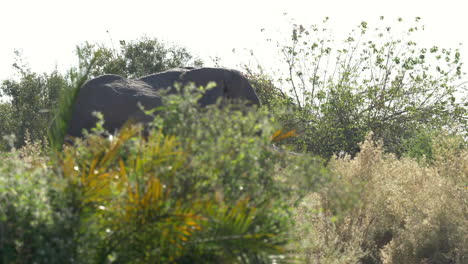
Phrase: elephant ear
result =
(240, 88)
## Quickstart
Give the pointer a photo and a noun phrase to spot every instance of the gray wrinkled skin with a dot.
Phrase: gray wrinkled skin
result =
(117, 98)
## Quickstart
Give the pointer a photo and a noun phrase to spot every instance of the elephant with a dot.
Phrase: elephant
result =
(118, 98)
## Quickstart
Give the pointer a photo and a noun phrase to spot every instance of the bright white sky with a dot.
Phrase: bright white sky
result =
(47, 31)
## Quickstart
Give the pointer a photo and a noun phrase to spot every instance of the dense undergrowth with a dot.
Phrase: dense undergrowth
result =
(206, 186)
(202, 186)
(382, 176)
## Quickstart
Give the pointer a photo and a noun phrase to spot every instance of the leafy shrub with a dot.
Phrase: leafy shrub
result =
(8, 127)
(26, 213)
(373, 80)
(31, 103)
(429, 146)
(220, 178)
(199, 185)
(229, 142)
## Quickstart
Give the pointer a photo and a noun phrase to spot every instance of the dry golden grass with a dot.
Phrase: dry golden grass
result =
(381, 209)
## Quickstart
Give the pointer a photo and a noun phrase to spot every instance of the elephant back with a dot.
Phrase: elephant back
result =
(164, 80)
(117, 98)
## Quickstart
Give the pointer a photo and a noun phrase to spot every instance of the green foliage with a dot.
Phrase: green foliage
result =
(63, 112)
(7, 121)
(371, 81)
(30, 229)
(131, 198)
(135, 58)
(419, 146)
(200, 185)
(206, 185)
(31, 104)
(269, 94)
(230, 142)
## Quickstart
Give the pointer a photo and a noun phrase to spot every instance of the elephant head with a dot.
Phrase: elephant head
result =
(230, 84)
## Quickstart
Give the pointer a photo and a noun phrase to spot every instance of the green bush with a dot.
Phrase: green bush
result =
(31, 231)
(222, 175)
(228, 142)
(31, 104)
(429, 146)
(199, 185)
(379, 80)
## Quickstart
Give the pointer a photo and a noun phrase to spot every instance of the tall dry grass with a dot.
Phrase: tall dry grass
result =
(382, 209)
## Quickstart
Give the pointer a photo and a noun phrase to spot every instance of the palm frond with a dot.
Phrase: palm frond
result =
(58, 129)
